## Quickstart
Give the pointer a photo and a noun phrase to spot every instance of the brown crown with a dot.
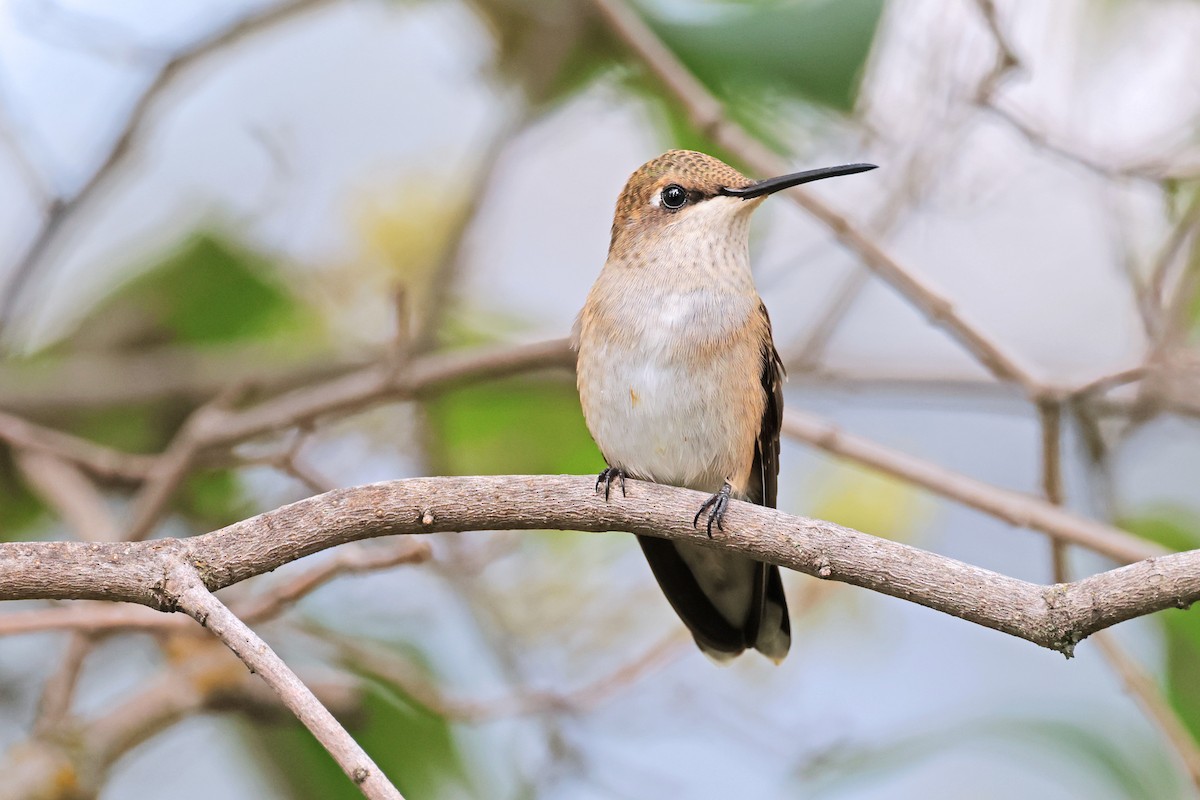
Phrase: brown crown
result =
(698, 173)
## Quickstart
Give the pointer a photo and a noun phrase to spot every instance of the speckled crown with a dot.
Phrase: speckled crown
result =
(692, 170)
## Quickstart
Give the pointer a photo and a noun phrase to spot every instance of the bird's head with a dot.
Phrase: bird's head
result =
(685, 193)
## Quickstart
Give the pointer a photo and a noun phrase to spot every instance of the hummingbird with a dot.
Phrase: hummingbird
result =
(681, 384)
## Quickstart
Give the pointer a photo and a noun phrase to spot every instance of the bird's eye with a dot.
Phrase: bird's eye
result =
(674, 196)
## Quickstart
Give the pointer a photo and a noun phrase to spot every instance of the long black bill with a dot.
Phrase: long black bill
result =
(772, 185)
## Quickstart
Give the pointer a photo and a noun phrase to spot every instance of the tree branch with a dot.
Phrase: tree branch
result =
(1149, 696)
(101, 461)
(1016, 508)
(199, 603)
(1056, 617)
(77, 760)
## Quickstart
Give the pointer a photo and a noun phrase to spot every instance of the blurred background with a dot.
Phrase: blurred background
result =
(215, 204)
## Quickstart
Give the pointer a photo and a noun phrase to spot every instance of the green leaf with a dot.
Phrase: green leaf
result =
(512, 426)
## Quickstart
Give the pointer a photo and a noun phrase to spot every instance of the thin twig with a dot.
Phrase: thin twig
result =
(54, 705)
(1149, 696)
(349, 560)
(66, 489)
(172, 468)
(1017, 508)
(92, 617)
(409, 678)
(1144, 690)
(1050, 418)
(103, 462)
(1169, 254)
(80, 757)
(60, 385)
(199, 603)
(1007, 59)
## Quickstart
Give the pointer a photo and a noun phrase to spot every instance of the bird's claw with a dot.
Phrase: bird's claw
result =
(716, 506)
(607, 477)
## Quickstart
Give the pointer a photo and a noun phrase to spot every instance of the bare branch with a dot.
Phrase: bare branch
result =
(349, 561)
(1150, 697)
(67, 490)
(101, 461)
(1050, 417)
(393, 668)
(375, 384)
(1014, 507)
(89, 379)
(199, 603)
(98, 618)
(171, 468)
(55, 703)
(215, 425)
(81, 756)
(1056, 617)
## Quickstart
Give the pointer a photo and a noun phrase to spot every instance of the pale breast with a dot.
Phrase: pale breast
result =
(665, 399)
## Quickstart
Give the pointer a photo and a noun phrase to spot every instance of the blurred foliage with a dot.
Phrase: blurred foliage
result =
(414, 748)
(1193, 308)
(208, 291)
(213, 498)
(1177, 529)
(813, 53)
(405, 230)
(135, 428)
(511, 426)
(1097, 755)
(868, 501)
(1173, 527)
(814, 50)
(19, 508)
(751, 55)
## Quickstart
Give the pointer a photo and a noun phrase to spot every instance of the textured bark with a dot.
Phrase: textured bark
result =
(1056, 616)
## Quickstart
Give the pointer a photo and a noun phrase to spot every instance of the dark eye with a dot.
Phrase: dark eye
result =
(674, 196)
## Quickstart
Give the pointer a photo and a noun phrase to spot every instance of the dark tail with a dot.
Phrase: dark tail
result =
(728, 602)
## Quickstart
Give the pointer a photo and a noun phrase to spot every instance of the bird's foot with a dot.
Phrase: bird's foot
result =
(716, 506)
(607, 477)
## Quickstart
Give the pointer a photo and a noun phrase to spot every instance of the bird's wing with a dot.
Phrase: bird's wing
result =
(764, 477)
(768, 628)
